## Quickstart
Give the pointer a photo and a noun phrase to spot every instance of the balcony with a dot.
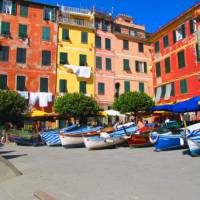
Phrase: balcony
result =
(72, 10)
(76, 22)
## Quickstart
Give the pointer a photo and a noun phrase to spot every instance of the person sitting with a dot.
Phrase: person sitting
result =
(140, 124)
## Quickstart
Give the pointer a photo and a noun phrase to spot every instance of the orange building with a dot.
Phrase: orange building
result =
(28, 45)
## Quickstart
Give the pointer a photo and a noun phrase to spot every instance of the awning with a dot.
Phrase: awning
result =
(158, 94)
(168, 91)
(37, 113)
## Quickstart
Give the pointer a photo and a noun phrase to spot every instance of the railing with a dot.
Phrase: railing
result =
(66, 9)
(77, 22)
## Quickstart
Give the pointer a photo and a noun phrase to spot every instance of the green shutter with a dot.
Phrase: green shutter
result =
(101, 88)
(83, 60)
(63, 86)
(126, 64)
(46, 58)
(183, 85)
(137, 69)
(166, 41)
(181, 59)
(65, 34)
(3, 82)
(5, 28)
(22, 31)
(172, 90)
(127, 87)
(45, 33)
(108, 64)
(145, 67)
(63, 58)
(98, 62)
(53, 14)
(44, 84)
(158, 69)
(183, 30)
(24, 10)
(141, 47)
(83, 87)
(1, 2)
(21, 55)
(98, 42)
(125, 44)
(157, 46)
(141, 86)
(14, 8)
(198, 52)
(21, 82)
(4, 53)
(174, 36)
(191, 26)
(108, 44)
(84, 37)
(163, 91)
(167, 65)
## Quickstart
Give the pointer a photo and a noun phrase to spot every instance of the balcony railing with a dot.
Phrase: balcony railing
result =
(66, 9)
(76, 22)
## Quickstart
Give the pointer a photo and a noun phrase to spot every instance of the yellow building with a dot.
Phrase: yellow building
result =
(76, 51)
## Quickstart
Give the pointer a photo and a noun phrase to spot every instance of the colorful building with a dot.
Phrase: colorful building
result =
(28, 44)
(76, 51)
(122, 58)
(176, 58)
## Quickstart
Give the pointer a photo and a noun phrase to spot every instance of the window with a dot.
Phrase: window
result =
(49, 14)
(98, 42)
(84, 37)
(4, 53)
(98, 62)
(163, 91)
(82, 88)
(45, 33)
(192, 26)
(125, 44)
(198, 52)
(101, 88)
(126, 64)
(46, 57)
(141, 86)
(24, 10)
(158, 70)
(183, 85)
(127, 86)
(140, 66)
(157, 46)
(44, 84)
(179, 33)
(140, 47)
(165, 41)
(167, 65)
(5, 28)
(21, 83)
(63, 58)
(172, 90)
(63, 86)
(181, 59)
(108, 64)
(3, 82)
(108, 44)
(8, 7)
(65, 34)
(22, 31)
(21, 55)
(83, 60)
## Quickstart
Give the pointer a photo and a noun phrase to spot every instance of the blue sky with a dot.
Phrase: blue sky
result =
(151, 13)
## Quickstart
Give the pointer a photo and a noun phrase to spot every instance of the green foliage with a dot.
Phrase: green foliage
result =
(12, 107)
(76, 105)
(133, 102)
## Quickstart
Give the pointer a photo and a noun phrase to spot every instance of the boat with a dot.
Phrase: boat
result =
(51, 138)
(75, 138)
(139, 140)
(193, 140)
(105, 140)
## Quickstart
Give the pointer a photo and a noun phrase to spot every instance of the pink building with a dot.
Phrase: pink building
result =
(123, 59)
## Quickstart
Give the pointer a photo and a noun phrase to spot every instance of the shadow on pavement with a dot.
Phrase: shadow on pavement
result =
(4, 152)
(8, 157)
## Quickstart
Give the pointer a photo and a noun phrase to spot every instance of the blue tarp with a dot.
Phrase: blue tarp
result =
(182, 107)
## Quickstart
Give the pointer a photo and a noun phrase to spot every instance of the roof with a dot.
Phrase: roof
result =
(39, 3)
(176, 19)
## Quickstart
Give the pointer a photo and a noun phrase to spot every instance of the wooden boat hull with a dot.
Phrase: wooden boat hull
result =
(139, 140)
(70, 141)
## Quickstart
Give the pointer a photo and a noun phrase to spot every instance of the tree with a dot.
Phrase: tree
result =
(133, 102)
(76, 105)
(12, 107)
